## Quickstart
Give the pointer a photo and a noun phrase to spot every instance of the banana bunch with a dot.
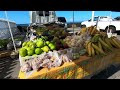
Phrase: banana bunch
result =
(114, 42)
(94, 49)
(99, 45)
(93, 30)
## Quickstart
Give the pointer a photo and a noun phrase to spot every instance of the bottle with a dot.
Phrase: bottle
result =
(109, 33)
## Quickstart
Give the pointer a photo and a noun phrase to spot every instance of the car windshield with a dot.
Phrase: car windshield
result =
(61, 19)
(95, 18)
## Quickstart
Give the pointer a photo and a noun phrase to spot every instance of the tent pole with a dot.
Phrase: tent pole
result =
(92, 19)
(110, 21)
(44, 17)
(10, 31)
(73, 22)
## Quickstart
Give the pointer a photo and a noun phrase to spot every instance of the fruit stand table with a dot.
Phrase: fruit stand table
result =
(81, 68)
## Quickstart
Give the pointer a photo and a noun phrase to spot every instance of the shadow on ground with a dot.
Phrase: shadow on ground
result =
(9, 68)
(105, 74)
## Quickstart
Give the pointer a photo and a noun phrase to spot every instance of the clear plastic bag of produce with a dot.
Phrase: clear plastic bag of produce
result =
(66, 55)
(57, 61)
(26, 67)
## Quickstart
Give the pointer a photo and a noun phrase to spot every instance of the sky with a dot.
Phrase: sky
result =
(22, 17)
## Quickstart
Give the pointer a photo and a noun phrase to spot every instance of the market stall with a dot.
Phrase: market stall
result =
(56, 54)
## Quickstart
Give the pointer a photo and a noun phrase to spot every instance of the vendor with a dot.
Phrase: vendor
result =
(31, 32)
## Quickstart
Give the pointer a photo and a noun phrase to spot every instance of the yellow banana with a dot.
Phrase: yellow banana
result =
(98, 49)
(93, 51)
(93, 30)
(89, 49)
(90, 29)
(117, 45)
(83, 30)
(86, 44)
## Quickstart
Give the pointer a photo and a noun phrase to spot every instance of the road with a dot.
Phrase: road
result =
(70, 30)
(9, 68)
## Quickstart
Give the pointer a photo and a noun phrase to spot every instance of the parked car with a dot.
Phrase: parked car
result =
(61, 21)
(103, 23)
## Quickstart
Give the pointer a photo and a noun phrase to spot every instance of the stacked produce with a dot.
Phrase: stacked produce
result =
(99, 44)
(37, 47)
(77, 40)
(55, 35)
(51, 33)
(51, 53)
(46, 60)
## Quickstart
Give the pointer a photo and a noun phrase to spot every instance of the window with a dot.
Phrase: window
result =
(95, 18)
(102, 17)
(41, 13)
(52, 13)
(61, 19)
(46, 13)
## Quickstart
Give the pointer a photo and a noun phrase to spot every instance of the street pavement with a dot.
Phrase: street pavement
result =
(9, 68)
(70, 30)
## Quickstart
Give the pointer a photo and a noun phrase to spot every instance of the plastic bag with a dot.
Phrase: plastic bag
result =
(26, 67)
(57, 61)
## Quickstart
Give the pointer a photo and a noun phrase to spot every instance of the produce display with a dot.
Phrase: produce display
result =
(53, 47)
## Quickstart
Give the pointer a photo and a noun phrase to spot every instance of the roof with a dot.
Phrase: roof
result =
(1, 19)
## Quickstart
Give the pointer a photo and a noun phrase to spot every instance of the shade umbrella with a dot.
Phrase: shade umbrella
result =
(10, 31)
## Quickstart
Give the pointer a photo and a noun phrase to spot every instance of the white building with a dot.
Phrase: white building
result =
(42, 17)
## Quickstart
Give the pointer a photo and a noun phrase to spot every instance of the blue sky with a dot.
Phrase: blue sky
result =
(22, 17)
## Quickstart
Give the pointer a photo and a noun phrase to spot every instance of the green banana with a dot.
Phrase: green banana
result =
(115, 42)
(104, 44)
(98, 49)
(108, 43)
